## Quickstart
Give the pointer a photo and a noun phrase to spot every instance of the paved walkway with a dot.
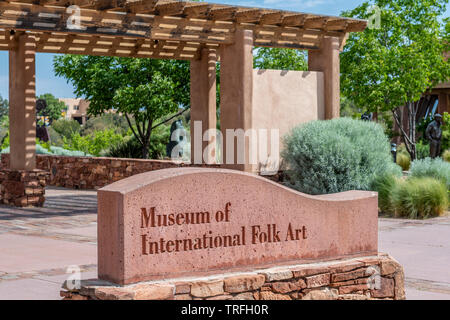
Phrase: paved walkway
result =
(38, 245)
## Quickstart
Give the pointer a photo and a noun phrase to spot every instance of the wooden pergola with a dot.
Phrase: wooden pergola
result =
(160, 28)
(164, 29)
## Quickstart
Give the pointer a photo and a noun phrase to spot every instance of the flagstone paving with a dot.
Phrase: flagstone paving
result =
(38, 245)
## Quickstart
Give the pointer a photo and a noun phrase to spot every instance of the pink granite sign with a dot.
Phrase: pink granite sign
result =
(190, 221)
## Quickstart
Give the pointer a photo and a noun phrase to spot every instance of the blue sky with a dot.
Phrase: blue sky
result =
(46, 82)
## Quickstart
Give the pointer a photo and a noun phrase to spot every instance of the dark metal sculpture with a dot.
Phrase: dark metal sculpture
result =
(177, 137)
(434, 135)
(367, 116)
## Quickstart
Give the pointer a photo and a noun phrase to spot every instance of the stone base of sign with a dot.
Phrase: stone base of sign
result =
(367, 278)
(23, 188)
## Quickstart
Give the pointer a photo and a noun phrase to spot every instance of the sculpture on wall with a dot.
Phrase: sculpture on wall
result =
(434, 135)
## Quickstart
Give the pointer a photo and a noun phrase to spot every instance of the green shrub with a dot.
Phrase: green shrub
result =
(66, 128)
(419, 198)
(404, 161)
(130, 148)
(422, 150)
(106, 121)
(385, 184)
(435, 168)
(93, 143)
(325, 157)
(56, 151)
(446, 156)
(55, 138)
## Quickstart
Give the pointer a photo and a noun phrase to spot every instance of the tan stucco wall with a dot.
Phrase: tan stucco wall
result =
(285, 99)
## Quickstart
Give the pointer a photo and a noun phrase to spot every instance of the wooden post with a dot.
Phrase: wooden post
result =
(203, 106)
(443, 105)
(22, 105)
(236, 92)
(327, 61)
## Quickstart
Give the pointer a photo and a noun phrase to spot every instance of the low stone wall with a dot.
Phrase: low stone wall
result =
(87, 173)
(369, 278)
(92, 173)
(23, 188)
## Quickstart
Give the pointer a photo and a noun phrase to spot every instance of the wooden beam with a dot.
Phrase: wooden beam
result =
(272, 18)
(247, 16)
(222, 14)
(37, 18)
(296, 20)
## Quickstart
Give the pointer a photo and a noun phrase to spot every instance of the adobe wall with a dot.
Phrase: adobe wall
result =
(284, 99)
(368, 278)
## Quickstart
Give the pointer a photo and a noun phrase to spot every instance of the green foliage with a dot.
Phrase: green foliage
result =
(5, 142)
(404, 161)
(55, 138)
(383, 69)
(93, 143)
(280, 59)
(105, 121)
(397, 63)
(334, 156)
(159, 142)
(384, 184)
(4, 107)
(54, 107)
(419, 198)
(446, 156)
(142, 89)
(57, 151)
(435, 168)
(131, 148)
(422, 150)
(66, 128)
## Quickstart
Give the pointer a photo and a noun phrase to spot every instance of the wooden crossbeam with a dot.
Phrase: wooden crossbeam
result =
(271, 18)
(248, 16)
(31, 17)
(109, 46)
(296, 20)
(143, 21)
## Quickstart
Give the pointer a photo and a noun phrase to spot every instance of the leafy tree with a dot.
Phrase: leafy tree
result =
(143, 90)
(280, 59)
(54, 107)
(389, 68)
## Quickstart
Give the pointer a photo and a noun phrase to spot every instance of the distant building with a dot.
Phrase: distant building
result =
(76, 109)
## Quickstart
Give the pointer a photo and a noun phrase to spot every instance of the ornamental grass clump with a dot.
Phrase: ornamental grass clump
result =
(446, 156)
(436, 168)
(385, 184)
(418, 198)
(404, 161)
(324, 157)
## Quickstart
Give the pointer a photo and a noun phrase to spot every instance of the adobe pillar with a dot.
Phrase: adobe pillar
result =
(203, 107)
(236, 90)
(22, 104)
(327, 61)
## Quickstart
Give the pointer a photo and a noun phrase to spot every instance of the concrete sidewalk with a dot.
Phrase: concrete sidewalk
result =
(38, 245)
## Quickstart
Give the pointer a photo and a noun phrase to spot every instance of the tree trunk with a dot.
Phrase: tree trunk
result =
(408, 133)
